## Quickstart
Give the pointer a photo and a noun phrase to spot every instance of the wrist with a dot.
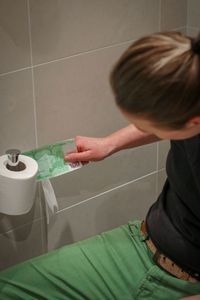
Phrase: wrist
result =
(110, 145)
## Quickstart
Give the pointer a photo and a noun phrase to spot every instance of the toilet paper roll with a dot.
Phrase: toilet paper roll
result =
(17, 188)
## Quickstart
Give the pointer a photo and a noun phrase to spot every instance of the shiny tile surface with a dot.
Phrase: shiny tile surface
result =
(97, 178)
(73, 96)
(173, 14)
(20, 244)
(74, 46)
(9, 222)
(194, 13)
(102, 213)
(193, 32)
(17, 125)
(63, 28)
(14, 35)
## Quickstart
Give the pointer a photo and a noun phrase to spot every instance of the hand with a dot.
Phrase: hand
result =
(89, 149)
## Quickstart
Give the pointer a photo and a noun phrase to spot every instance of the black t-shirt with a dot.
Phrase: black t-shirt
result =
(173, 221)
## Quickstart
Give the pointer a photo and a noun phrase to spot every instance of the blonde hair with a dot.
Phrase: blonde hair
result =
(158, 77)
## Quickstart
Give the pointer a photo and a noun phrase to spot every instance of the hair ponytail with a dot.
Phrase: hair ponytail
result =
(158, 77)
(195, 45)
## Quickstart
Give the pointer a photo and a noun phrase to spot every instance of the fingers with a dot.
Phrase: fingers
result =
(78, 156)
(87, 149)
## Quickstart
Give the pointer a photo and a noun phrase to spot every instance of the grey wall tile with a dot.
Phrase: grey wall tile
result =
(193, 32)
(73, 96)
(20, 244)
(17, 130)
(17, 127)
(163, 149)
(14, 35)
(65, 27)
(194, 13)
(102, 213)
(182, 29)
(96, 178)
(173, 14)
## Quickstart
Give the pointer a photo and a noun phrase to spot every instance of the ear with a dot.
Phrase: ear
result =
(195, 121)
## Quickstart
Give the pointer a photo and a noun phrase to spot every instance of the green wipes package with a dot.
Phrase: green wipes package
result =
(50, 159)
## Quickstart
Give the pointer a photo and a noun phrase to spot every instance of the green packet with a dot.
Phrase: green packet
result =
(50, 159)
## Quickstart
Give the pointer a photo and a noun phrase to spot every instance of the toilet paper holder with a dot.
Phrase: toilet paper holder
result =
(13, 163)
(13, 156)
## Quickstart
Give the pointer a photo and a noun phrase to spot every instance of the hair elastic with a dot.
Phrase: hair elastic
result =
(195, 46)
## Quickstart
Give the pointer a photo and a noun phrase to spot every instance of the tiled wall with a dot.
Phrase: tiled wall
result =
(193, 17)
(55, 58)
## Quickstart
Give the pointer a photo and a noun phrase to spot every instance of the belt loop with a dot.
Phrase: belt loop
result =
(156, 256)
(145, 235)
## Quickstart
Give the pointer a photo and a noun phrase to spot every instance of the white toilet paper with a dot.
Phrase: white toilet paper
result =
(17, 188)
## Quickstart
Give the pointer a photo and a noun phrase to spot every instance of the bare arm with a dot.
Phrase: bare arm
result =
(94, 149)
(129, 137)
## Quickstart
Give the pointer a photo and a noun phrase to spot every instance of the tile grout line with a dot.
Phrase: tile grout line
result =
(84, 201)
(32, 72)
(108, 191)
(193, 27)
(187, 15)
(83, 53)
(178, 28)
(94, 50)
(35, 120)
(75, 55)
(67, 57)
(15, 71)
(159, 16)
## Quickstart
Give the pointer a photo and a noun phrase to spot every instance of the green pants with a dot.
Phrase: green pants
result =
(115, 265)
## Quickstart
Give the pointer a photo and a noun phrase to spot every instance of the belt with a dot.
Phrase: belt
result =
(164, 262)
